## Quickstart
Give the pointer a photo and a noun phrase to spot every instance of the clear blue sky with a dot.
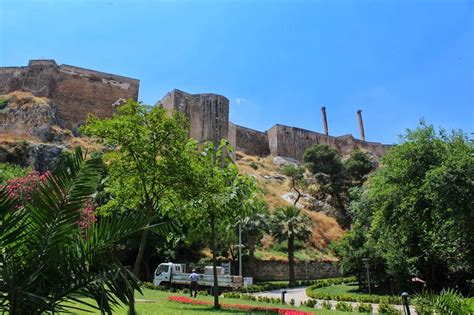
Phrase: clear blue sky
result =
(276, 61)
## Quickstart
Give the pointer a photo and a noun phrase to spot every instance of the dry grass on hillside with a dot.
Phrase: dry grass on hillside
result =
(24, 99)
(326, 229)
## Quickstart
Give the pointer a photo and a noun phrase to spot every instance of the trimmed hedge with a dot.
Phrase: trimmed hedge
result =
(269, 286)
(363, 298)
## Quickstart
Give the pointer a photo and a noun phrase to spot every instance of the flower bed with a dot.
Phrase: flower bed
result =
(253, 308)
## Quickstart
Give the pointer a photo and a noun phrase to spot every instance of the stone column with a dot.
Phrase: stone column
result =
(325, 121)
(361, 125)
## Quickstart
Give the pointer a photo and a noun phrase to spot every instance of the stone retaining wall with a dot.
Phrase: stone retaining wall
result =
(278, 270)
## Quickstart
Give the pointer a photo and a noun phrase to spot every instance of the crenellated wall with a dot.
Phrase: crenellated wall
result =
(75, 91)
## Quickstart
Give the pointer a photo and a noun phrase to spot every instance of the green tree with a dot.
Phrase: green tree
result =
(420, 211)
(147, 160)
(357, 167)
(296, 175)
(290, 224)
(253, 228)
(325, 164)
(221, 196)
(47, 258)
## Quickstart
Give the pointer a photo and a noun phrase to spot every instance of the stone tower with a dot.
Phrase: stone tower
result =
(208, 114)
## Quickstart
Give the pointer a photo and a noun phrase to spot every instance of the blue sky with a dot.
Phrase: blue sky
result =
(276, 61)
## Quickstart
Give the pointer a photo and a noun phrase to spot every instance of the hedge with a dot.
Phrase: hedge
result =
(363, 298)
(269, 286)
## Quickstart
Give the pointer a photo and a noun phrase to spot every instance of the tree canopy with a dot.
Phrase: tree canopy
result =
(415, 216)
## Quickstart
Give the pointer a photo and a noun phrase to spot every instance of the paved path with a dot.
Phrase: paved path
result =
(299, 295)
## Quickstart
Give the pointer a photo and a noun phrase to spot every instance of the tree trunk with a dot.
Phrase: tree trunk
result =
(215, 290)
(291, 259)
(252, 262)
(298, 196)
(141, 251)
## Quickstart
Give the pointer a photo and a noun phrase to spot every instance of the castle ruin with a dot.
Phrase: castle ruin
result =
(75, 91)
(78, 92)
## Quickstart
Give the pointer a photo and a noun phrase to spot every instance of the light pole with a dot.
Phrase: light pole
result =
(240, 250)
(366, 260)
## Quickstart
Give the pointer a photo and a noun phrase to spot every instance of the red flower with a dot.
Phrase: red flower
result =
(277, 310)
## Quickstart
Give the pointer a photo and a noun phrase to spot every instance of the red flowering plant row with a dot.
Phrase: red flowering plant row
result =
(22, 189)
(252, 308)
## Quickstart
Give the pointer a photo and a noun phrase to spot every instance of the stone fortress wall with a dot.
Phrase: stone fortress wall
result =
(77, 92)
(209, 119)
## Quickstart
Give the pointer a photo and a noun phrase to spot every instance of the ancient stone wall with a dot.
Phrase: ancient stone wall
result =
(292, 142)
(208, 114)
(79, 92)
(248, 141)
(75, 91)
(278, 270)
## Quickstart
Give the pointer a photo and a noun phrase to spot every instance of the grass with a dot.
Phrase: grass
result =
(162, 306)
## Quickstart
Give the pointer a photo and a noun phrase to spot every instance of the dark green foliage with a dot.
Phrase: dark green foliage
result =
(322, 158)
(47, 258)
(254, 165)
(415, 217)
(358, 166)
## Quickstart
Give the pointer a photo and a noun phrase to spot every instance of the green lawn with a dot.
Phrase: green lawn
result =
(339, 289)
(162, 306)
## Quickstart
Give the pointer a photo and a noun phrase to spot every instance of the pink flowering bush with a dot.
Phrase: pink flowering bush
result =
(88, 217)
(22, 188)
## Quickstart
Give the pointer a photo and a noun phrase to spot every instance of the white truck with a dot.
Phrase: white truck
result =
(175, 274)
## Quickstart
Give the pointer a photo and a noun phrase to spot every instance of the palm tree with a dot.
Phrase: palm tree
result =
(290, 224)
(47, 258)
(253, 227)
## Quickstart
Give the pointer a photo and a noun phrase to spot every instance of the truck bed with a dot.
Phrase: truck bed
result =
(226, 281)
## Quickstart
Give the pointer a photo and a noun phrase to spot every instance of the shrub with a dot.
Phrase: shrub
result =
(326, 305)
(3, 103)
(364, 308)
(311, 303)
(344, 307)
(385, 308)
(254, 165)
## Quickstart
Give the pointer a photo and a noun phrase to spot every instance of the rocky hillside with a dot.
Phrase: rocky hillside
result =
(277, 192)
(30, 133)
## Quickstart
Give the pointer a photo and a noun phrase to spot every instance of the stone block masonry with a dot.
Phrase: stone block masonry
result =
(208, 113)
(269, 270)
(75, 91)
